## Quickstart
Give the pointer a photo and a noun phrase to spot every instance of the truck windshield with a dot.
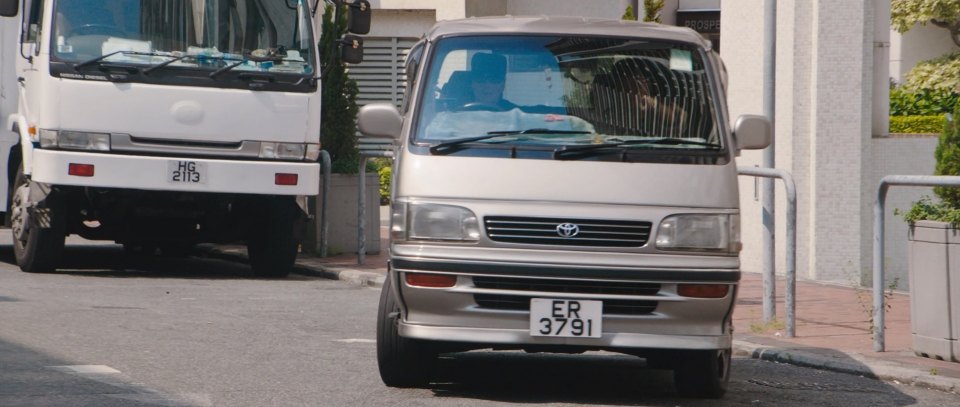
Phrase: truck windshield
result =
(265, 35)
(564, 93)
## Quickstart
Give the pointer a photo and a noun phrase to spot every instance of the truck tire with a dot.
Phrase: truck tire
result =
(272, 249)
(702, 374)
(403, 362)
(36, 250)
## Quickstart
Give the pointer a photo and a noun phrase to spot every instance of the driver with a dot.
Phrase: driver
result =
(487, 74)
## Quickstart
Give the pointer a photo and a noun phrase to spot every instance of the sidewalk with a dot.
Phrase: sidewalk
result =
(832, 327)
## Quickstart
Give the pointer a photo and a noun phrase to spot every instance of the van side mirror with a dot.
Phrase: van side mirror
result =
(358, 18)
(380, 120)
(351, 49)
(752, 132)
(9, 8)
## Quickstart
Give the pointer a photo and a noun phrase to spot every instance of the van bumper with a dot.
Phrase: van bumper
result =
(472, 311)
(154, 173)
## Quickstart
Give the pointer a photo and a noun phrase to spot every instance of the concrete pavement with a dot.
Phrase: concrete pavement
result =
(833, 323)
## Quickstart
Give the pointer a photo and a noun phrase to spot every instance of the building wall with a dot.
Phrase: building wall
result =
(903, 156)
(593, 8)
(401, 23)
(918, 44)
(479, 8)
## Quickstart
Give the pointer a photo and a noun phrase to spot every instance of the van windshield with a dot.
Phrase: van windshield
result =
(257, 35)
(575, 94)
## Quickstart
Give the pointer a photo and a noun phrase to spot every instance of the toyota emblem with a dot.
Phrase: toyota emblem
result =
(568, 230)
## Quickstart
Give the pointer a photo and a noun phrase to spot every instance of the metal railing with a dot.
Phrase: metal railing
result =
(769, 276)
(370, 147)
(878, 229)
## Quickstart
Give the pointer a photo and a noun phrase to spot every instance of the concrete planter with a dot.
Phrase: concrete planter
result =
(342, 214)
(934, 266)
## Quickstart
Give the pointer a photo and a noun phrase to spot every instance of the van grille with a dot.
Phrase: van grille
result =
(589, 232)
(610, 307)
(522, 302)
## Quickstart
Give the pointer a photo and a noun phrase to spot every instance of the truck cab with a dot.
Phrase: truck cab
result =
(563, 185)
(160, 125)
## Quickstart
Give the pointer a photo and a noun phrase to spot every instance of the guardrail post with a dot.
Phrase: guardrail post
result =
(791, 258)
(879, 344)
(322, 224)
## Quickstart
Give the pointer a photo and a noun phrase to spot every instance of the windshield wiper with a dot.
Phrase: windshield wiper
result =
(164, 63)
(105, 56)
(591, 149)
(439, 147)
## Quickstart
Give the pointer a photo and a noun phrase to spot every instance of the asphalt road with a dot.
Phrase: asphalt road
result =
(111, 330)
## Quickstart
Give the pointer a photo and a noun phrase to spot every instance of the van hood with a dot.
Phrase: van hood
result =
(188, 113)
(674, 185)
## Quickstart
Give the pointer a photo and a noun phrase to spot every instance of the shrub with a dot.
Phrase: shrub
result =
(941, 74)
(916, 124)
(923, 102)
(385, 174)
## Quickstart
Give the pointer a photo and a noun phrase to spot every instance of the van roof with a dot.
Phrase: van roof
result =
(565, 26)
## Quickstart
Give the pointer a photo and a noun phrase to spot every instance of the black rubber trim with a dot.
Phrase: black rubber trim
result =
(732, 276)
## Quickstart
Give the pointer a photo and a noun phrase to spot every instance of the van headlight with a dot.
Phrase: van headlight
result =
(433, 222)
(713, 233)
(74, 140)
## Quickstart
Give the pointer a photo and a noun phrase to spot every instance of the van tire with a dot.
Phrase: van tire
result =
(403, 362)
(40, 250)
(272, 247)
(702, 374)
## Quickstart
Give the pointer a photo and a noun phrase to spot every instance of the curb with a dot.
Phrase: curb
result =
(849, 363)
(305, 267)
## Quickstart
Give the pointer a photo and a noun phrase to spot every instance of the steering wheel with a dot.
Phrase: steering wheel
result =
(478, 106)
(93, 29)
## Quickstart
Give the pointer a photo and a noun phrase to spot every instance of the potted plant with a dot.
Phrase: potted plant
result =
(338, 136)
(934, 256)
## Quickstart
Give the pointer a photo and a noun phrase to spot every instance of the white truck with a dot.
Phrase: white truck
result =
(160, 124)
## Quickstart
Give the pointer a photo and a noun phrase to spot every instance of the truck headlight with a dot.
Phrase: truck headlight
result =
(433, 222)
(283, 151)
(713, 233)
(74, 140)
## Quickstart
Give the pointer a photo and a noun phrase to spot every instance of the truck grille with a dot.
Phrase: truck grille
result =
(567, 232)
(522, 302)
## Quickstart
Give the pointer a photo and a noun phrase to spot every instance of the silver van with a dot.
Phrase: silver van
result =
(563, 185)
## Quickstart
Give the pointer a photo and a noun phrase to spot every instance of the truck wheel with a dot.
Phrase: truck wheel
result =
(403, 362)
(702, 374)
(273, 247)
(37, 250)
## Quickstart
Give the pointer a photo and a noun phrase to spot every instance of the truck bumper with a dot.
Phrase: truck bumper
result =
(156, 173)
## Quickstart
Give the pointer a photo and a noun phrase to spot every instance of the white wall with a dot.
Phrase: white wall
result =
(592, 8)
(479, 8)
(918, 44)
(401, 23)
(902, 156)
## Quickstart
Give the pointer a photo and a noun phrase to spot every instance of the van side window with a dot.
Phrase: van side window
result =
(410, 71)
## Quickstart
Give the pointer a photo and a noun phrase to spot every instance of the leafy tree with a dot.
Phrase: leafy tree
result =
(938, 74)
(904, 14)
(628, 14)
(652, 10)
(338, 105)
(947, 155)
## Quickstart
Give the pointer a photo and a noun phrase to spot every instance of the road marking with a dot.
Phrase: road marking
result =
(86, 369)
(355, 340)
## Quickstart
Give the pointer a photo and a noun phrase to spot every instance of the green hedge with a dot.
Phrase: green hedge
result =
(916, 124)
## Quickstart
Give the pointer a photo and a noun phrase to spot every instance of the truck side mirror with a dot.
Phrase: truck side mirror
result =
(380, 120)
(9, 8)
(358, 18)
(351, 49)
(752, 132)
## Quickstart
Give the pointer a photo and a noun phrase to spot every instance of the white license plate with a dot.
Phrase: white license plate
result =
(566, 318)
(186, 172)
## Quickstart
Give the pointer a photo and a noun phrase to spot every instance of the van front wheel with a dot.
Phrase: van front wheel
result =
(403, 362)
(702, 374)
(37, 249)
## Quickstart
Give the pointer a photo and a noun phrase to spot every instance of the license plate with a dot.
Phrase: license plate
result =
(566, 318)
(186, 172)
